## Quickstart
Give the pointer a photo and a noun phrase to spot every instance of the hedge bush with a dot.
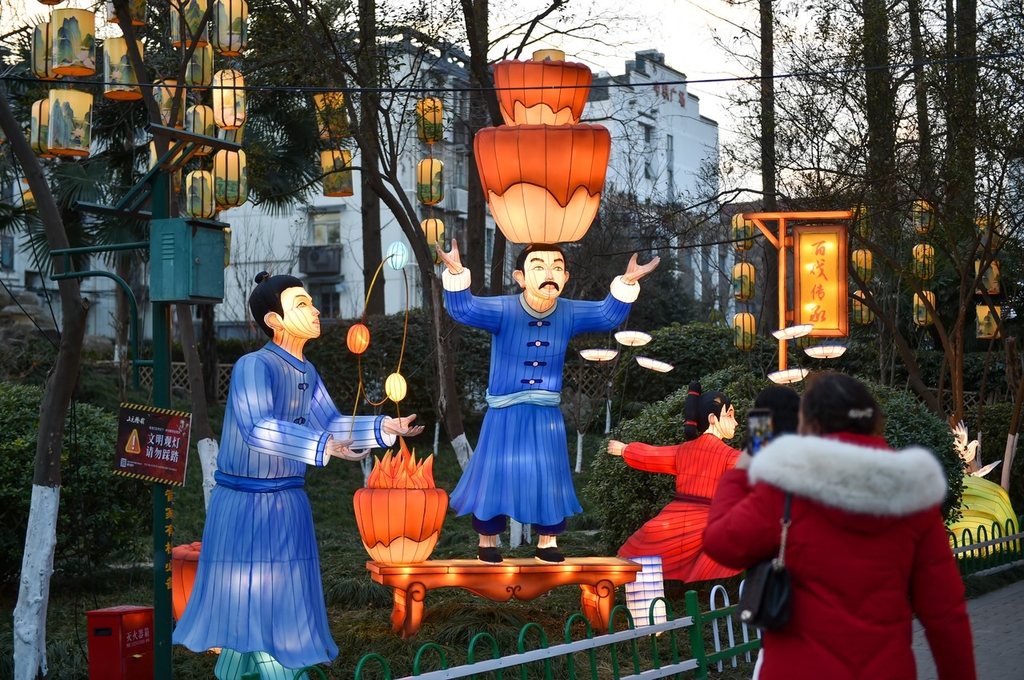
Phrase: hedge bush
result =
(101, 514)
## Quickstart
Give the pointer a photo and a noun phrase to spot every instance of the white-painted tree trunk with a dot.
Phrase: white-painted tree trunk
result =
(579, 452)
(208, 449)
(34, 590)
(518, 534)
(463, 451)
(1008, 456)
(437, 435)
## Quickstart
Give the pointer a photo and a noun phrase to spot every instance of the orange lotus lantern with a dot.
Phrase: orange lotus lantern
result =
(543, 183)
(184, 563)
(358, 338)
(400, 513)
(547, 90)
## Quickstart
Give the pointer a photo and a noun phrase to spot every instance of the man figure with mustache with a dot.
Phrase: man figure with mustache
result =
(520, 468)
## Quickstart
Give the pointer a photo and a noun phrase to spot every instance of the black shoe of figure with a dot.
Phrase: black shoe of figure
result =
(488, 555)
(549, 555)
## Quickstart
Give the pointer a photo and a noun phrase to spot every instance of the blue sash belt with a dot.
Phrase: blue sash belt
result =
(254, 485)
(535, 397)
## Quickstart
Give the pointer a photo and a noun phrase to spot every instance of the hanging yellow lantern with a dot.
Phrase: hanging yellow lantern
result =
(358, 338)
(38, 131)
(230, 178)
(336, 166)
(331, 117)
(744, 328)
(862, 263)
(743, 281)
(989, 281)
(430, 181)
(430, 120)
(432, 229)
(988, 232)
(922, 314)
(199, 120)
(42, 51)
(228, 99)
(199, 194)
(70, 130)
(199, 69)
(235, 136)
(861, 221)
(165, 92)
(923, 217)
(862, 314)
(230, 31)
(395, 387)
(742, 233)
(924, 261)
(121, 83)
(136, 10)
(192, 11)
(74, 42)
(987, 326)
(28, 199)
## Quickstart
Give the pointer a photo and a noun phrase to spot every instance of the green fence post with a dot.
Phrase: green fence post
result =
(696, 634)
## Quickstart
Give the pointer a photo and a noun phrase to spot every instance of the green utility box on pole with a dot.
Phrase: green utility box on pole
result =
(186, 260)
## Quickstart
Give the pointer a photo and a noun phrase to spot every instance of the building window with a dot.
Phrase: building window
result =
(6, 252)
(326, 228)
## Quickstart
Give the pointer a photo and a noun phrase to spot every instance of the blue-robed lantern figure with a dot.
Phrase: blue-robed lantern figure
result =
(258, 594)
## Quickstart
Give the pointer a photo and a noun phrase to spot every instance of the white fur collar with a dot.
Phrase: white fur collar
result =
(850, 477)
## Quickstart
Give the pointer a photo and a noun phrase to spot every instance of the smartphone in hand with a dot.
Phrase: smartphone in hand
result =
(759, 429)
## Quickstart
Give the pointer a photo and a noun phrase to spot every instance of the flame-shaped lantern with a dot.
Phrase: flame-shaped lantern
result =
(430, 120)
(545, 91)
(744, 330)
(924, 261)
(70, 130)
(228, 99)
(136, 11)
(39, 128)
(42, 51)
(400, 513)
(862, 314)
(987, 326)
(863, 262)
(358, 338)
(743, 281)
(543, 183)
(121, 83)
(336, 166)
(331, 117)
(742, 233)
(192, 11)
(430, 181)
(230, 32)
(74, 42)
(922, 314)
(199, 194)
(922, 217)
(230, 178)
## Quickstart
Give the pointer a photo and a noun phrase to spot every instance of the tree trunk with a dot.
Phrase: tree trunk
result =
(366, 65)
(206, 441)
(445, 338)
(208, 353)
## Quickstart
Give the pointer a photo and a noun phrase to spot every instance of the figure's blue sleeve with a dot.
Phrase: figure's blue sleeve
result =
(479, 312)
(365, 431)
(591, 316)
(251, 394)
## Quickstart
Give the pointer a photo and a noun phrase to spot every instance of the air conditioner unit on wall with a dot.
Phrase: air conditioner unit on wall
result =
(320, 260)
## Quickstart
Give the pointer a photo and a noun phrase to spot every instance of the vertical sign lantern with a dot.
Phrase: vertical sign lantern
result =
(42, 51)
(228, 99)
(230, 19)
(70, 131)
(74, 42)
(336, 166)
(38, 131)
(121, 83)
(230, 178)
(820, 278)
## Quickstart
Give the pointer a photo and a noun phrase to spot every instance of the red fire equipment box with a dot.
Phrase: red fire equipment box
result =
(121, 643)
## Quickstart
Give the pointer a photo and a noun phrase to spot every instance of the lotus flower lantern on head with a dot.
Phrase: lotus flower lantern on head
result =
(543, 172)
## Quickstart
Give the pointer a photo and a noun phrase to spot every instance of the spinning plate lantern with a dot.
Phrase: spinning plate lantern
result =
(543, 172)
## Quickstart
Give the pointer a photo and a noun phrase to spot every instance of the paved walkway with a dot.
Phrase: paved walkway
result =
(996, 621)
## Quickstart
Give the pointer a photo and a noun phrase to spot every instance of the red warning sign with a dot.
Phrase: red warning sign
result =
(152, 444)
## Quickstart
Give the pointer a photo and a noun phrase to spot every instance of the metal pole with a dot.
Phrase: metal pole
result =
(783, 358)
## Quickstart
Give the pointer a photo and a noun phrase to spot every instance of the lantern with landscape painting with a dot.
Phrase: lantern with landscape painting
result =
(42, 52)
(336, 166)
(923, 315)
(429, 120)
(924, 261)
(743, 281)
(230, 178)
(744, 330)
(199, 201)
(228, 99)
(121, 83)
(229, 35)
(199, 69)
(923, 217)
(188, 15)
(331, 117)
(987, 326)
(39, 127)
(136, 12)
(862, 314)
(74, 42)
(430, 181)
(70, 130)
(742, 233)
(863, 264)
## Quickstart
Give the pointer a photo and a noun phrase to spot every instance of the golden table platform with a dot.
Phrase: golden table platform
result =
(519, 578)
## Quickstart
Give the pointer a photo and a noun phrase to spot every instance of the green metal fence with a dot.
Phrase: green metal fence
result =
(991, 550)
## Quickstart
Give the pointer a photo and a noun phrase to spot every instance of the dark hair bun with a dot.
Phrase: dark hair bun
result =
(261, 277)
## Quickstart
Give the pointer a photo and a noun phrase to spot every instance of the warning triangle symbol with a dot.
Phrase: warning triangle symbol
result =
(133, 443)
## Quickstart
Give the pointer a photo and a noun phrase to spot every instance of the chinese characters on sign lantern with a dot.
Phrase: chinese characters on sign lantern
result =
(820, 262)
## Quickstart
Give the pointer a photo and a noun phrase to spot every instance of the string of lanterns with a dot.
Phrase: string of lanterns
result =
(744, 325)
(430, 171)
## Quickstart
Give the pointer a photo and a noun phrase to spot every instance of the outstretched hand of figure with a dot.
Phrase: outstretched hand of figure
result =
(339, 448)
(451, 259)
(615, 447)
(635, 272)
(402, 427)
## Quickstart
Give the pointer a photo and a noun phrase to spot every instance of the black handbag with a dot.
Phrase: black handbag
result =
(767, 594)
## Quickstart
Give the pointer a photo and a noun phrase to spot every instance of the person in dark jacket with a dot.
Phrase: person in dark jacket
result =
(867, 548)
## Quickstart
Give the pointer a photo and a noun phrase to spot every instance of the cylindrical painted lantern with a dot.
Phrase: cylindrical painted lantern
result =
(331, 117)
(862, 314)
(136, 10)
(70, 131)
(742, 233)
(28, 199)
(199, 69)
(230, 178)
(744, 328)
(121, 83)
(358, 338)
(989, 281)
(164, 92)
(430, 120)
(395, 387)
(430, 181)
(192, 11)
(230, 27)
(432, 229)
(543, 183)
(336, 166)
(922, 315)
(924, 261)
(42, 51)
(987, 324)
(74, 42)
(545, 91)
(199, 120)
(743, 281)
(236, 136)
(199, 201)
(228, 99)
(38, 132)
(922, 216)
(863, 262)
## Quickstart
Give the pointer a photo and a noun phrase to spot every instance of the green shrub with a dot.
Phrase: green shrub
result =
(101, 514)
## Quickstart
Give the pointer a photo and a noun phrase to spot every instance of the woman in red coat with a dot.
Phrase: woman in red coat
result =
(867, 548)
(675, 533)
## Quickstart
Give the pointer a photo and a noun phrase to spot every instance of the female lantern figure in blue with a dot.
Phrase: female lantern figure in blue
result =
(258, 593)
(520, 468)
